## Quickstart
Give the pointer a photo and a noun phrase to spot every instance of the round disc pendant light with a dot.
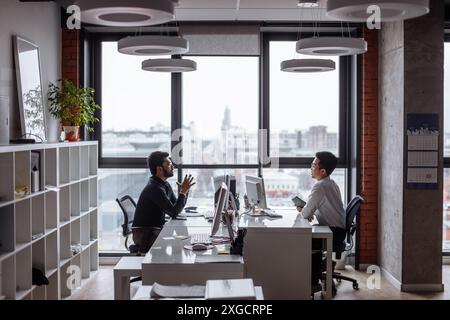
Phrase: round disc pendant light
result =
(391, 10)
(308, 65)
(126, 13)
(331, 46)
(153, 45)
(169, 65)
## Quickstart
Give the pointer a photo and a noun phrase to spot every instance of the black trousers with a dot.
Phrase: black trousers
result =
(318, 247)
(144, 237)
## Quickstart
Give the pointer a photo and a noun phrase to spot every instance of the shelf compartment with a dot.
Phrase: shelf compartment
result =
(84, 162)
(51, 210)
(93, 160)
(7, 174)
(65, 288)
(23, 222)
(84, 190)
(75, 203)
(51, 252)
(52, 288)
(74, 163)
(93, 193)
(38, 160)
(64, 236)
(7, 237)
(38, 215)
(22, 174)
(8, 278)
(93, 250)
(93, 225)
(64, 202)
(75, 230)
(51, 167)
(23, 271)
(64, 165)
(85, 264)
(38, 255)
(39, 293)
(85, 230)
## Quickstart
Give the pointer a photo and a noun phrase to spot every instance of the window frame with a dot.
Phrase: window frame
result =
(349, 106)
(446, 159)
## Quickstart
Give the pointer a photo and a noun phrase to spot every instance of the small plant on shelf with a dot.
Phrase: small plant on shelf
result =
(74, 106)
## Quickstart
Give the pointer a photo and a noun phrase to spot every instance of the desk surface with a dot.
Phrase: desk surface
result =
(169, 247)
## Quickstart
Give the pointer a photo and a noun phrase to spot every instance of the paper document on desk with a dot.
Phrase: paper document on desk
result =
(161, 291)
(218, 259)
(236, 289)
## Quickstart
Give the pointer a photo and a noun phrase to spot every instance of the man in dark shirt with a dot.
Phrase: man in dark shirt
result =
(156, 200)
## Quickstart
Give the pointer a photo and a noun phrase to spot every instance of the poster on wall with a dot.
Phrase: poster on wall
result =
(422, 130)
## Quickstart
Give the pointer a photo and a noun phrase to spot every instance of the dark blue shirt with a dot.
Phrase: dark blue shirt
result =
(156, 200)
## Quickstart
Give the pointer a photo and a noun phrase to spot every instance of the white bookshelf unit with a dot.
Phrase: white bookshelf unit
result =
(39, 229)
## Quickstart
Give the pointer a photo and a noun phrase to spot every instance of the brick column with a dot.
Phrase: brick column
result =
(369, 151)
(71, 55)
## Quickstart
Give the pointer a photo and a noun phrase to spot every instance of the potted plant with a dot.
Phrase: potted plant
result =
(74, 106)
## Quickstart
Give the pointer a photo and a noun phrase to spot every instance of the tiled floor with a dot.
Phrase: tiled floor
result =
(101, 287)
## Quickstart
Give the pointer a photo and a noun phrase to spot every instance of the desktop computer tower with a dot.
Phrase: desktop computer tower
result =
(4, 120)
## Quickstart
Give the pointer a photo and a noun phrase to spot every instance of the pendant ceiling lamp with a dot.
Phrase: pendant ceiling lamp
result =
(331, 46)
(169, 65)
(153, 45)
(391, 10)
(126, 13)
(308, 65)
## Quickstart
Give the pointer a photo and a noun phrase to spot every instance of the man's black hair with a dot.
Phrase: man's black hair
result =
(327, 161)
(156, 159)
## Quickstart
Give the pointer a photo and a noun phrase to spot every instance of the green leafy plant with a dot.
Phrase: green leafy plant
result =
(74, 106)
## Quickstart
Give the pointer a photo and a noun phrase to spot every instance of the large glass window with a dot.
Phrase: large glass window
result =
(136, 106)
(113, 184)
(304, 108)
(220, 111)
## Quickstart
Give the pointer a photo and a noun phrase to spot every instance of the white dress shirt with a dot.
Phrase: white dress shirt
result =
(326, 204)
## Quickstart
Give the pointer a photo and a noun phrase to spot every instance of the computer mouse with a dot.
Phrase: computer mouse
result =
(199, 246)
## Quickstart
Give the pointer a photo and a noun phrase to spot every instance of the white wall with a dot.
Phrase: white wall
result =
(40, 23)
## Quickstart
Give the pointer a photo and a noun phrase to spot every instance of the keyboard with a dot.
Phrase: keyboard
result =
(200, 238)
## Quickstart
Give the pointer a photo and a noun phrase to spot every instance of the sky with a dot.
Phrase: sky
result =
(298, 101)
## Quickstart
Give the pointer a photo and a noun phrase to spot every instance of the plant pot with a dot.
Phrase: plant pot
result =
(72, 133)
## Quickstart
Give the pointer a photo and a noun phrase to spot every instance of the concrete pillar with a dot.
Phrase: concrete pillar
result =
(411, 81)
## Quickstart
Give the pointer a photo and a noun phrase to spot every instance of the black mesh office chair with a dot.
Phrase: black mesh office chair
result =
(128, 206)
(345, 243)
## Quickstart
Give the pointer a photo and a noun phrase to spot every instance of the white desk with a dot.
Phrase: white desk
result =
(292, 220)
(288, 238)
(169, 263)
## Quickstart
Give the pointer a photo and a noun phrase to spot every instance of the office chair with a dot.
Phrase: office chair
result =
(345, 243)
(128, 206)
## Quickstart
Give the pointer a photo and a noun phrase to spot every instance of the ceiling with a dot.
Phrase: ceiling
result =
(240, 10)
(247, 10)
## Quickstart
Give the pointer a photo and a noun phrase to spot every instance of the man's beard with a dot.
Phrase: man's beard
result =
(168, 174)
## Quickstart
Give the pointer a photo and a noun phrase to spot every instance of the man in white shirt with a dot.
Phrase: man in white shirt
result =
(325, 204)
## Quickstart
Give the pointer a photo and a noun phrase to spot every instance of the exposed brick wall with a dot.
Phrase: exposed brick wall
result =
(369, 151)
(71, 55)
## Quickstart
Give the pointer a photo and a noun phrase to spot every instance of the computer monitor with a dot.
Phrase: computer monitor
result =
(256, 191)
(230, 181)
(220, 206)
